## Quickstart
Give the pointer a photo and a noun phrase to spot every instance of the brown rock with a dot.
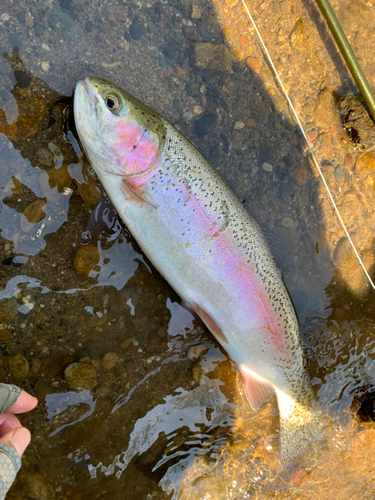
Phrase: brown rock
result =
(253, 63)
(350, 269)
(109, 361)
(86, 259)
(34, 212)
(212, 58)
(365, 164)
(81, 376)
(299, 478)
(8, 310)
(300, 174)
(363, 446)
(304, 35)
(326, 114)
(18, 366)
(37, 487)
(120, 13)
(237, 54)
(190, 33)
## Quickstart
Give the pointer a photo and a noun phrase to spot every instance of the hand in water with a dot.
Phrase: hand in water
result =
(13, 437)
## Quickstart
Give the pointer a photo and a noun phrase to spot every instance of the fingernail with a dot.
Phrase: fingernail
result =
(20, 439)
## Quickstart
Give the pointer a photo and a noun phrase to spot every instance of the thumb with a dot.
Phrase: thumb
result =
(18, 439)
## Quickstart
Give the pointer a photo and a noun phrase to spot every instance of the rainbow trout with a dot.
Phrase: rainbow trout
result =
(197, 234)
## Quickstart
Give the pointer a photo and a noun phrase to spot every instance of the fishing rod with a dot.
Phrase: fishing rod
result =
(348, 54)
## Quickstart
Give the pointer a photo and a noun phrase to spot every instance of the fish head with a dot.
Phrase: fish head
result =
(120, 134)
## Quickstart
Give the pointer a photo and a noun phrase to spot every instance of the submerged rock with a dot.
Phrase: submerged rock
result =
(81, 376)
(18, 366)
(86, 259)
(212, 58)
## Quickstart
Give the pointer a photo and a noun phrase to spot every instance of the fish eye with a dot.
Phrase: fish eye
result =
(112, 102)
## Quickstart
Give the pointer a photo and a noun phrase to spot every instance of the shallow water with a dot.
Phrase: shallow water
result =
(167, 418)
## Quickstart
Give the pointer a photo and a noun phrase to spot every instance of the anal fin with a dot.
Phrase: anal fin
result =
(210, 323)
(257, 391)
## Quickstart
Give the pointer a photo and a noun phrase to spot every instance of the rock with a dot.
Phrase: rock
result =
(8, 310)
(250, 122)
(88, 27)
(237, 54)
(190, 33)
(34, 212)
(62, 24)
(299, 478)
(196, 12)
(304, 35)
(22, 78)
(288, 223)
(86, 259)
(238, 125)
(104, 28)
(192, 90)
(18, 366)
(171, 49)
(253, 63)
(81, 376)
(338, 174)
(212, 58)
(37, 487)
(120, 13)
(136, 31)
(363, 447)
(267, 167)
(349, 268)
(210, 28)
(205, 124)
(326, 114)
(109, 361)
(365, 164)
(300, 174)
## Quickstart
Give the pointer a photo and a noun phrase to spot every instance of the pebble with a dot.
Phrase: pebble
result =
(303, 35)
(136, 31)
(171, 49)
(212, 58)
(363, 447)
(299, 478)
(192, 90)
(288, 223)
(365, 163)
(34, 212)
(300, 174)
(37, 487)
(326, 114)
(239, 126)
(5, 17)
(162, 63)
(120, 13)
(253, 63)
(38, 30)
(237, 54)
(267, 167)
(338, 174)
(86, 258)
(8, 310)
(196, 12)
(250, 122)
(22, 78)
(205, 124)
(81, 376)
(18, 366)
(104, 28)
(109, 361)
(196, 351)
(190, 33)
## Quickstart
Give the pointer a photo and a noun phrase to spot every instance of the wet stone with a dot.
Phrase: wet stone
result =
(22, 78)
(109, 361)
(34, 212)
(37, 487)
(363, 446)
(303, 34)
(300, 174)
(326, 114)
(81, 376)
(205, 124)
(267, 167)
(192, 90)
(288, 223)
(171, 49)
(8, 310)
(136, 31)
(253, 63)
(104, 27)
(338, 174)
(61, 23)
(365, 164)
(212, 58)
(86, 258)
(18, 366)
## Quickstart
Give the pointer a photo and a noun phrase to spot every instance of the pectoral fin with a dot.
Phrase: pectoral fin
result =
(210, 323)
(257, 391)
(130, 191)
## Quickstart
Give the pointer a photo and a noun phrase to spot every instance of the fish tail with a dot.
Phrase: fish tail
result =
(300, 425)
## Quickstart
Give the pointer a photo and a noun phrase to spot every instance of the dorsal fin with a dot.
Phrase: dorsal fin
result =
(257, 391)
(210, 323)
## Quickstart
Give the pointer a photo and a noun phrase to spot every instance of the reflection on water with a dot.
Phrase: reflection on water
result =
(164, 416)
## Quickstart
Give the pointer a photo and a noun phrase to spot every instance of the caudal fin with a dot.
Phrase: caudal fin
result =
(300, 425)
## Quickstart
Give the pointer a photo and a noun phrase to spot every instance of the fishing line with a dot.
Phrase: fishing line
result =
(307, 142)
